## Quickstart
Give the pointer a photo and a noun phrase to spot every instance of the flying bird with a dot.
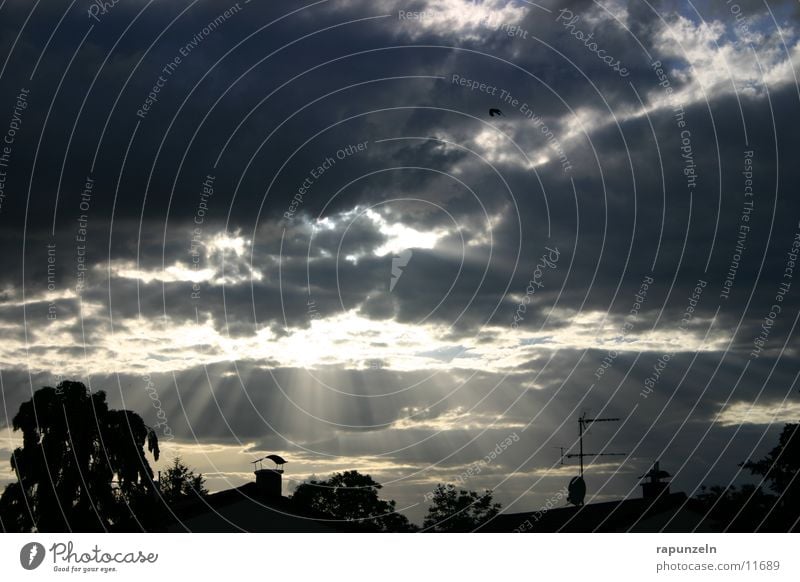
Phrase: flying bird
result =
(497, 112)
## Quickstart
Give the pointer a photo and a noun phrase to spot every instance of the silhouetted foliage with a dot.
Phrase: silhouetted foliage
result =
(780, 468)
(179, 482)
(81, 467)
(781, 464)
(454, 510)
(750, 508)
(351, 496)
(739, 510)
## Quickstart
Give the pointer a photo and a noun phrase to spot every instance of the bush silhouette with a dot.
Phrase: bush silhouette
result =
(454, 510)
(351, 496)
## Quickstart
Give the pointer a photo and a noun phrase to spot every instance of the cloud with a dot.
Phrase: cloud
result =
(761, 413)
(295, 335)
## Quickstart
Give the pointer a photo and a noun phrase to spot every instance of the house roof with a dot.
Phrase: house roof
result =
(670, 513)
(246, 509)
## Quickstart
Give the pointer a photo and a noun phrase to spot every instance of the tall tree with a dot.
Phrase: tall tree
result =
(781, 470)
(780, 466)
(179, 482)
(351, 496)
(454, 510)
(81, 466)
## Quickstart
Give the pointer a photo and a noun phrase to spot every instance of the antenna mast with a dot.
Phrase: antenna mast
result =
(577, 486)
(583, 425)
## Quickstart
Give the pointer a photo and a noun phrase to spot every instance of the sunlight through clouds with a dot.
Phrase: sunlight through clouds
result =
(739, 413)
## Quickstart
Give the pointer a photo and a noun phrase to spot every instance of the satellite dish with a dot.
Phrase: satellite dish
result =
(576, 491)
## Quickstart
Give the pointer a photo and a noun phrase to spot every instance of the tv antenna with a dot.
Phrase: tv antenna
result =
(577, 486)
(583, 426)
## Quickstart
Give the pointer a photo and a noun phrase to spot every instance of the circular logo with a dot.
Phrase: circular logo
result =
(31, 555)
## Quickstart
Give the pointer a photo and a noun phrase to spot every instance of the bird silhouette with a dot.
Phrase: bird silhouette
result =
(497, 112)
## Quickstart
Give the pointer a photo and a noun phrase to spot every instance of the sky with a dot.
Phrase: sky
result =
(294, 227)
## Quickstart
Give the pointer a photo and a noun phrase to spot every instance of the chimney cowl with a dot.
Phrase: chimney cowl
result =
(654, 486)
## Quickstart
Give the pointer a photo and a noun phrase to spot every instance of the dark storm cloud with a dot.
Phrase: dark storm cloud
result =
(608, 142)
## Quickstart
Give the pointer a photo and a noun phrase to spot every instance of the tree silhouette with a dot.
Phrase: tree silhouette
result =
(179, 482)
(455, 510)
(736, 509)
(81, 467)
(780, 468)
(351, 496)
(781, 464)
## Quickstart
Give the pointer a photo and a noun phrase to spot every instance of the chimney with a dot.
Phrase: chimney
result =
(654, 486)
(268, 482)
